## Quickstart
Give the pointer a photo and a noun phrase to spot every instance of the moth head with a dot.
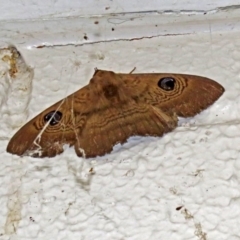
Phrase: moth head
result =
(107, 85)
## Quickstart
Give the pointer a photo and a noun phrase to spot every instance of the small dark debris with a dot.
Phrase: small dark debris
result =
(96, 22)
(179, 208)
(113, 29)
(85, 37)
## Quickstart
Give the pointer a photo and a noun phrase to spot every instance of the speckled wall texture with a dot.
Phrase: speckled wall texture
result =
(184, 185)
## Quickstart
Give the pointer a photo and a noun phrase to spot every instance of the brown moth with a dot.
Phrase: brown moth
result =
(110, 109)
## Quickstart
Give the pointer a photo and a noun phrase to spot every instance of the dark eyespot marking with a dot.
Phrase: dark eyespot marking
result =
(55, 117)
(167, 83)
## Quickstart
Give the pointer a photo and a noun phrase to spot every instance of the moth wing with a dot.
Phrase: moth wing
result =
(115, 125)
(38, 138)
(190, 94)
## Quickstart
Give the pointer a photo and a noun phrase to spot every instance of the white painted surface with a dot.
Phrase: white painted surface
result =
(135, 190)
(50, 9)
(79, 31)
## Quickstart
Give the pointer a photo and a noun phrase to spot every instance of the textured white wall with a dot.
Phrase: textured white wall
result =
(184, 185)
(31, 9)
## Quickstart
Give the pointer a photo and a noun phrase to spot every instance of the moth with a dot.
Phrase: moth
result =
(112, 108)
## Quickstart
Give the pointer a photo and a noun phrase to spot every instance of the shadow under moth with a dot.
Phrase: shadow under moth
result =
(110, 109)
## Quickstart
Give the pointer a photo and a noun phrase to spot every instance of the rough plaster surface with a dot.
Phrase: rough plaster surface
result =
(115, 27)
(54, 9)
(184, 185)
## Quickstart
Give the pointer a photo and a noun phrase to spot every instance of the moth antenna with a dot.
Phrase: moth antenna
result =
(133, 70)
